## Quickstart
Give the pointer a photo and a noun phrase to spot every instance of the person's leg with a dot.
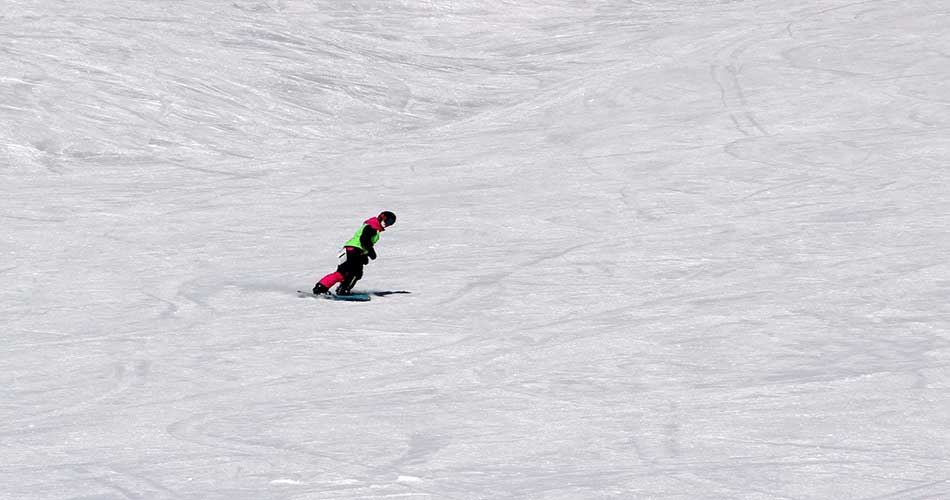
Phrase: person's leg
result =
(327, 282)
(347, 285)
(354, 271)
(341, 273)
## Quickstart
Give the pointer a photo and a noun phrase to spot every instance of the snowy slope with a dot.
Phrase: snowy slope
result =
(657, 250)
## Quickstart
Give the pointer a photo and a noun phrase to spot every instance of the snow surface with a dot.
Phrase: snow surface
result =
(658, 249)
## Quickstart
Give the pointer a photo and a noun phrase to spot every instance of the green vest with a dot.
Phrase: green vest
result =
(355, 240)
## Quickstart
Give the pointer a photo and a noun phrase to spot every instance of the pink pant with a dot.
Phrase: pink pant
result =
(331, 279)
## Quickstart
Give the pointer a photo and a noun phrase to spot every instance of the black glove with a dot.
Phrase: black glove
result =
(372, 254)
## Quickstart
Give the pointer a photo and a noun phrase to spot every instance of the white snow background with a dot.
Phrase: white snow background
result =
(657, 249)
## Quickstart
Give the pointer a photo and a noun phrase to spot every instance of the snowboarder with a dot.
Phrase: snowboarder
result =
(355, 254)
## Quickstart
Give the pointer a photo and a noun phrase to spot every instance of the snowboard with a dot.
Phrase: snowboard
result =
(353, 297)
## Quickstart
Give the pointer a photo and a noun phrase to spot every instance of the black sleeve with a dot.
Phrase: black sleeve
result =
(366, 239)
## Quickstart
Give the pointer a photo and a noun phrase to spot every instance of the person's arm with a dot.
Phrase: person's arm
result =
(366, 239)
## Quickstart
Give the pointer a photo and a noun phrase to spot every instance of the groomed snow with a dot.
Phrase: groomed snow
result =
(657, 249)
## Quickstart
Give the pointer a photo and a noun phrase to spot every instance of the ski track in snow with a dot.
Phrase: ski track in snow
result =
(665, 250)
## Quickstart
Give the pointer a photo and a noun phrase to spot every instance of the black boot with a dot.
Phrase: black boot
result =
(320, 289)
(346, 286)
